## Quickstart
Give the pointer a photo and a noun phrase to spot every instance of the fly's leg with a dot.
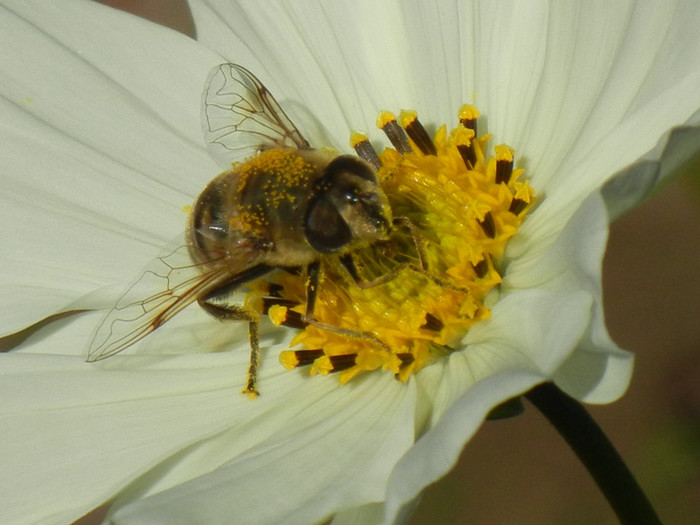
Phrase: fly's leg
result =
(422, 267)
(312, 279)
(231, 312)
(415, 237)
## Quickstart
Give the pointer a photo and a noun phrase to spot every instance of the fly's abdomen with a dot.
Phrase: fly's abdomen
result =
(209, 232)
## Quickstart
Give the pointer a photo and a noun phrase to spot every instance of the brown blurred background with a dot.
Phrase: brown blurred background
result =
(519, 471)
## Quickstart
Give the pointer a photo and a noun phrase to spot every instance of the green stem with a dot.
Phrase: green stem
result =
(596, 452)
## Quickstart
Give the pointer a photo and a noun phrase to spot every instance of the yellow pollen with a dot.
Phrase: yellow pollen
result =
(286, 164)
(356, 138)
(425, 287)
(288, 359)
(463, 136)
(504, 152)
(277, 314)
(468, 112)
(384, 118)
(407, 117)
(271, 173)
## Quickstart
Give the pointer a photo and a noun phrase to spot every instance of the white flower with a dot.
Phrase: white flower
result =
(101, 149)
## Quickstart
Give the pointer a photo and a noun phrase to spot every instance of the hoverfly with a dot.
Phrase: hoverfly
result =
(283, 208)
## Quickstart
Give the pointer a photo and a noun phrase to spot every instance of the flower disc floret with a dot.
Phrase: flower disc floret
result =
(416, 295)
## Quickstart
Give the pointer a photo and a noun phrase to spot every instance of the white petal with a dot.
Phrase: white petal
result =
(313, 56)
(266, 460)
(365, 515)
(573, 261)
(635, 183)
(331, 448)
(80, 418)
(528, 337)
(530, 330)
(584, 92)
(436, 452)
(102, 149)
(91, 432)
(652, 86)
(598, 57)
(599, 371)
(631, 140)
(603, 66)
(375, 416)
(186, 411)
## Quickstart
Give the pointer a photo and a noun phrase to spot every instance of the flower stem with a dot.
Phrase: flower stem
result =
(596, 452)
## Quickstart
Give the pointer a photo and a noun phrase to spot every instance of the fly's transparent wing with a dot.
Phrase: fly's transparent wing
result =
(240, 117)
(169, 284)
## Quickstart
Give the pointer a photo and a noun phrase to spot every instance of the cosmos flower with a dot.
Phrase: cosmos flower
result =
(102, 149)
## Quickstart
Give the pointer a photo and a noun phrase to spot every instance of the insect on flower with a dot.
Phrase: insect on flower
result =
(383, 261)
(285, 207)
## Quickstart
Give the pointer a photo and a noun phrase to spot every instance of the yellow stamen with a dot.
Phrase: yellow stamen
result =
(504, 152)
(463, 136)
(357, 138)
(277, 314)
(384, 118)
(289, 359)
(459, 208)
(407, 118)
(468, 112)
(360, 143)
(417, 133)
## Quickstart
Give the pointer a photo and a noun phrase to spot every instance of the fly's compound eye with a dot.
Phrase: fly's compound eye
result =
(324, 226)
(346, 207)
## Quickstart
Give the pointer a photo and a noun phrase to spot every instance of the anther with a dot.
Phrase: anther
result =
(342, 362)
(291, 359)
(281, 315)
(464, 139)
(396, 135)
(504, 163)
(432, 323)
(488, 225)
(360, 143)
(295, 320)
(417, 133)
(516, 206)
(467, 117)
(268, 302)
(406, 359)
(481, 268)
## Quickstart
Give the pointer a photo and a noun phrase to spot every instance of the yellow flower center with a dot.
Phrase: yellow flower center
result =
(454, 208)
